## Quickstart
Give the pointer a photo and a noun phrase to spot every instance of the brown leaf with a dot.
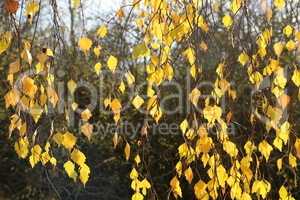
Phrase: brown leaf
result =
(11, 6)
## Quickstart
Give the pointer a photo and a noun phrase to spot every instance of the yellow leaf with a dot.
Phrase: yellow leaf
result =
(168, 71)
(26, 55)
(193, 71)
(85, 44)
(122, 87)
(150, 91)
(137, 196)
(280, 79)
(78, 157)
(69, 140)
(107, 102)
(212, 113)
(28, 86)
(14, 67)
(117, 117)
(52, 96)
(290, 45)
(221, 175)
(184, 126)
(284, 131)
(130, 78)
(32, 7)
(58, 138)
(188, 173)
(36, 112)
(127, 151)
(202, 24)
(12, 98)
(236, 191)
(278, 143)
(97, 51)
(133, 174)
(116, 106)
(115, 140)
(297, 35)
(102, 31)
(45, 158)
(97, 68)
(245, 167)
(71, 86)
(265, 149)
(230, 148)
(256, 78)
(84, 174)
(47, 147)
(86, 115)
(112, 63)
(70, 169)
(297, 147)
(200, 190)
(190, 55)
(21, 147)
(227, 21)
(137, 159)
(279, 4)
(243, 58)
(288, 30)
(53, 161)
(283, 193)
(35, 155)
(49, 52)
(296, 77)
(279, 164)
(137, 102)
(179, 168)
(194, 96)
(292, 161)
(140, 50)
(236, 5)
(261, 187)
(144, 184)
(5, 40)
(175, 187)
(278, 48)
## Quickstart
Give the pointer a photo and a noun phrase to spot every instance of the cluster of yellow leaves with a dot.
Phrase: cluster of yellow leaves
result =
(155, 50)
(139, 187)
(68, 140)
(212, 113)
(37, 154)
(29, 95)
